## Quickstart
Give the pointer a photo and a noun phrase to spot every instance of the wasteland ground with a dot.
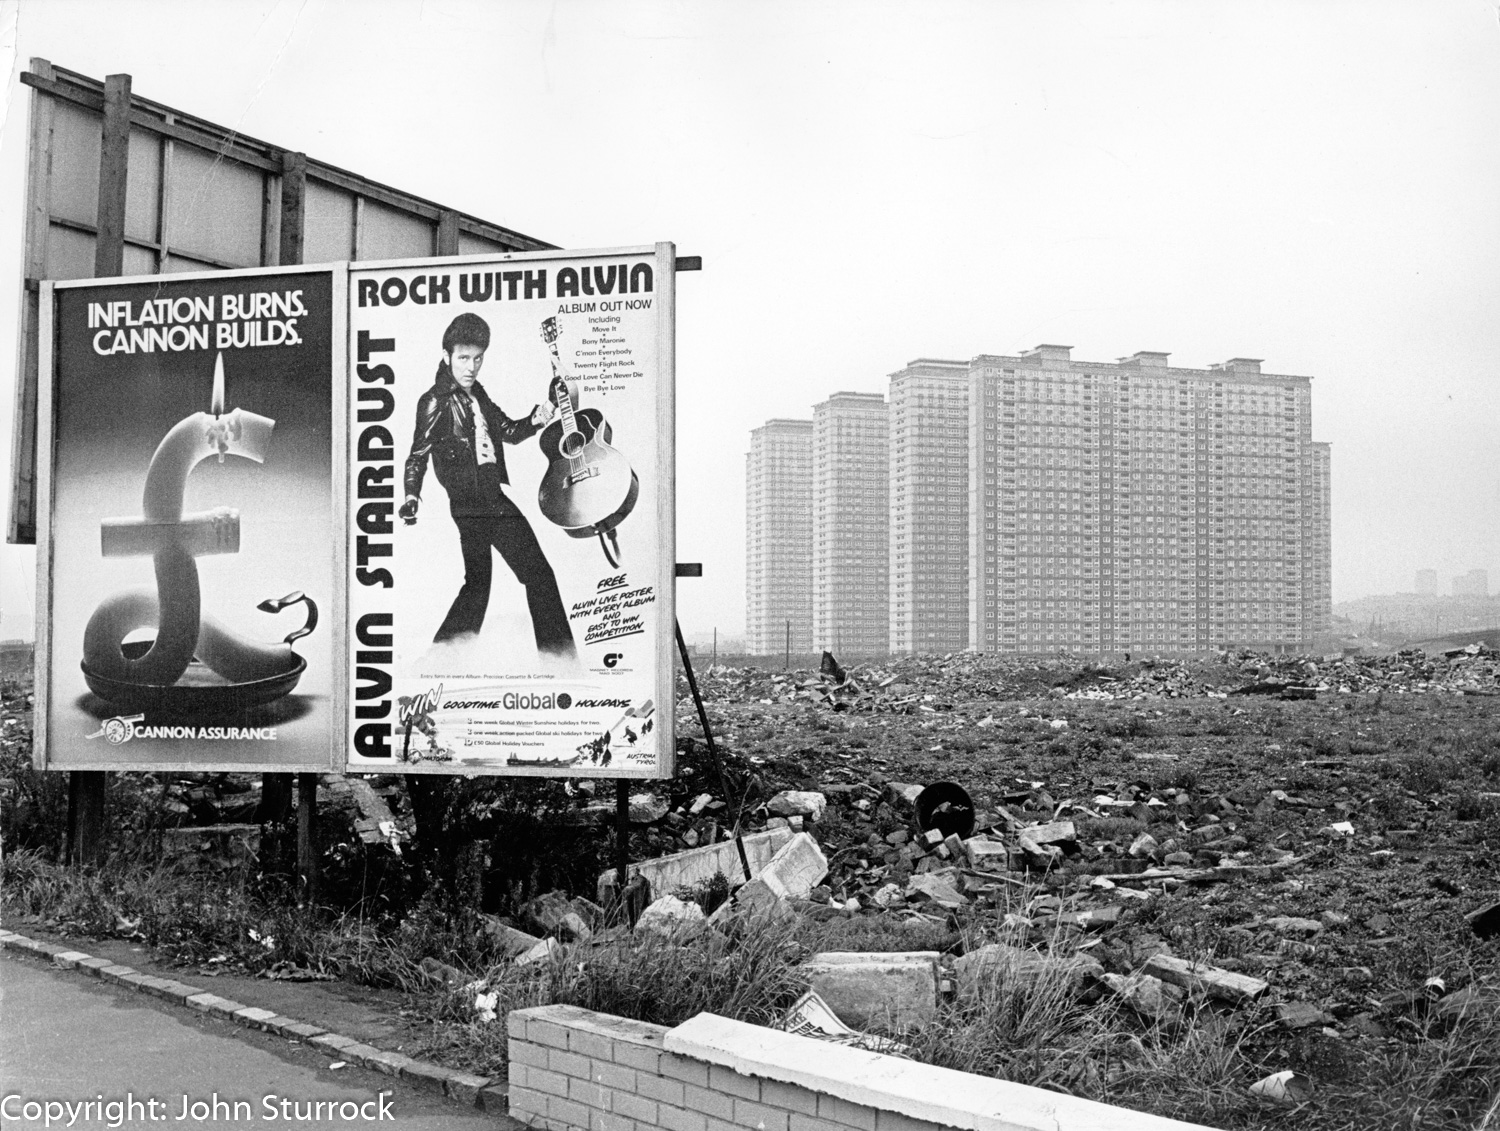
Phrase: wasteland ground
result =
(1327, 835)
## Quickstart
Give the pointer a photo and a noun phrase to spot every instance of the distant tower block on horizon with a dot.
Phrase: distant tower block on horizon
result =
(851, 525)
(1133, 506)
(1475, 583)
(778, 538)
(929, 495)
(1426, 583)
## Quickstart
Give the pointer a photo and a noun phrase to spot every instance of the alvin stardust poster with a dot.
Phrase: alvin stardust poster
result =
(187, 572)
(511, 545)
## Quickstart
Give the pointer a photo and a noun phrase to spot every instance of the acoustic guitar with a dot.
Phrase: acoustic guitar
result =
(590, 487)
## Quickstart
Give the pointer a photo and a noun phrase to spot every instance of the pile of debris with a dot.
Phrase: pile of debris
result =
(1015, 882)
(908, 685)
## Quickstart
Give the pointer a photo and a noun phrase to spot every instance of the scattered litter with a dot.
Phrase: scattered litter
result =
(1284, 1087)
(810, 1016)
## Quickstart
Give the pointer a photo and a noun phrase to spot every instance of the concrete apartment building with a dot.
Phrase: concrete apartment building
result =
(851, 524)
(929, 507)
(1475, 583)
(1317, 577)
(778, 537)
(1133, 506)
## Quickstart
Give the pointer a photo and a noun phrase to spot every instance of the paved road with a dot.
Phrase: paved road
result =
(69, 1038)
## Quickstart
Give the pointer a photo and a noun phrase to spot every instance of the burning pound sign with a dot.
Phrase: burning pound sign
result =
(174, 541)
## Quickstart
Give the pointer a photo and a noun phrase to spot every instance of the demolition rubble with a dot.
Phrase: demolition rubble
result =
(1144, 841)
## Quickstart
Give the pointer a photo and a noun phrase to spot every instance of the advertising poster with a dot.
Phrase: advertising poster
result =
(189, 563)
(511, 544)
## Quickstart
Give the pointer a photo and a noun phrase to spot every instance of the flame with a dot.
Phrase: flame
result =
(216, 406)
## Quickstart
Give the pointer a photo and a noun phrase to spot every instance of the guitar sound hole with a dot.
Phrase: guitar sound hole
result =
(571, 445)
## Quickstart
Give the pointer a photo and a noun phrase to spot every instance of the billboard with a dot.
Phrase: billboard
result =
(512, 537)
(412, 516)
(189, 589)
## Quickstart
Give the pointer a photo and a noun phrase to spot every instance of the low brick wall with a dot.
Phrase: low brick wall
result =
(575, 1070)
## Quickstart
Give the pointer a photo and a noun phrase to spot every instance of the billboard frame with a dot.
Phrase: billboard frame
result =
(666, 266)
(46, 439)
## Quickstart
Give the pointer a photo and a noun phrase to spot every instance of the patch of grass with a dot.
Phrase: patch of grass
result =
(1428, 773)
(1130, 726)
(884, 934)
(253, 922)
(748, 973)
(1470, 806)
(1029, 1030)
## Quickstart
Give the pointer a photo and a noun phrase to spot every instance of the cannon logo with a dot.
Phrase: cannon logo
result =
(119, 729)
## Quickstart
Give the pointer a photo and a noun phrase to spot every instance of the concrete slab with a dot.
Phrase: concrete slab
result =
(876, 991)
(666, 874)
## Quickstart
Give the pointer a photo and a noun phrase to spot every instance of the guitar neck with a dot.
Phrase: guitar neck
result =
(550, 334)
(561, 397)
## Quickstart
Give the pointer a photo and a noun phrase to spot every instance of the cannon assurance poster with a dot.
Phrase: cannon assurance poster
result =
(188, 576)
(511, 548)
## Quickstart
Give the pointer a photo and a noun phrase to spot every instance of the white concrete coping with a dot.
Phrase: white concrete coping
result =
(889, 1083)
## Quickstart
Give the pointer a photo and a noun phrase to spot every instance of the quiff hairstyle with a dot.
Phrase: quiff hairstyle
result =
(466, 330)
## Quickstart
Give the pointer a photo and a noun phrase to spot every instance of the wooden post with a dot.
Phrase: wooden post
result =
(114, 157)
(276, 811)
(787, 663)
(292, 238)
(85, 842)
(307, 834)
(447, 233)
(429, 806)
(622, 842)
(293, 206)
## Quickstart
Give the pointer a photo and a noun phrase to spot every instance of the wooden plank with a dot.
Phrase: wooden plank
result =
(23, 440)
(270, 221)
(246, 150)
(1223, 984)
(164, 206)
(114, 158)
(513, 241)
(293, 206)
(356, 228)
(153, 118)
(45, 417)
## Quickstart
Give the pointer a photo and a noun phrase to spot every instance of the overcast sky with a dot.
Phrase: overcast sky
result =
(1314, 184)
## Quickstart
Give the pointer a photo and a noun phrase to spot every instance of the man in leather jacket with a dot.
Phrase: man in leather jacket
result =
(463, 432)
